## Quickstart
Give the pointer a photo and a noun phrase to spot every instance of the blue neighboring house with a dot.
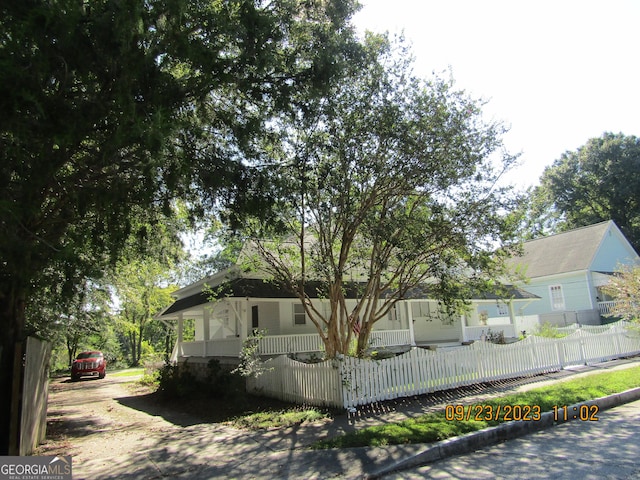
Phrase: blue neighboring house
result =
(568, 270)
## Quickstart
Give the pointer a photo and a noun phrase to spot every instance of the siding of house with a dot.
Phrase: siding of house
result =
(575, 291)
(613, 251)
(268, 316)
(277, 316)
(431, 326)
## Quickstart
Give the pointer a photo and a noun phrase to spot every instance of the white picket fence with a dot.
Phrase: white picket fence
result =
(349, 382)
(586, 328)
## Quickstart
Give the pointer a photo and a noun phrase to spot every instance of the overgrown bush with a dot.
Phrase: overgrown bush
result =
(547, 330)
(179, 381)
(251, 364)
(150, 378)
(496, 337)
(176, 381)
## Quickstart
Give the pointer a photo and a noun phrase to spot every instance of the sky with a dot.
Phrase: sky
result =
(557, 72)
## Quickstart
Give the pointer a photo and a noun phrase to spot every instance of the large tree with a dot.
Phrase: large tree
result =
(389, 184)
(110, 104)
(599, 181)
(71, 321)
(142, 290)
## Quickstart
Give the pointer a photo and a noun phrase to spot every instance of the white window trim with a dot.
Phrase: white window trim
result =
(296, 305)
(557, 306)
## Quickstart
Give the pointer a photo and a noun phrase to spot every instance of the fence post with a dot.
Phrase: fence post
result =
(480, 361)
(560, 350)
(344, 382)
(583, 355)
(16, 398)
(616, 339)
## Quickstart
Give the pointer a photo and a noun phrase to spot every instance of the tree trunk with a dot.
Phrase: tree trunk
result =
(133, 345)
(139, 352)
(72, 349)
(69, 354)
(168, 347)
(12, 321)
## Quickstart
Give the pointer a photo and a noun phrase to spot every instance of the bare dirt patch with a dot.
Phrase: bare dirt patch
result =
(88, 417)
(93, 417)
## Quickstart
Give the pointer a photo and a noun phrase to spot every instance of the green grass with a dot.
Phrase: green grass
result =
(129, 372)
(435, 426)
(280, 419)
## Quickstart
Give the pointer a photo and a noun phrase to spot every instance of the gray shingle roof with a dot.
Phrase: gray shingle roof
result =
(562, 253)
(256, 288)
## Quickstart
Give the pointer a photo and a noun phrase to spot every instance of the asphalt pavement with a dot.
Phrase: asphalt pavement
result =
(577, 450)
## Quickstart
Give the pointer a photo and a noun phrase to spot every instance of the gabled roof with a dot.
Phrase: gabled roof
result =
(565, 252)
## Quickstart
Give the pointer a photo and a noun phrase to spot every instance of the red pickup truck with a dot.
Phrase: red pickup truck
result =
(89, 364)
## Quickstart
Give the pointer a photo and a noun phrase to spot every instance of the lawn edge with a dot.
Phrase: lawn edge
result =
(493, 435)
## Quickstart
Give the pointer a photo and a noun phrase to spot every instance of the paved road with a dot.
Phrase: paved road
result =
(609, 448)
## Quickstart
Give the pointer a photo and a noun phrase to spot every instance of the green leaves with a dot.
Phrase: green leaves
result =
(586, 186)
(624, 287)
(388, 180)
(116, 108)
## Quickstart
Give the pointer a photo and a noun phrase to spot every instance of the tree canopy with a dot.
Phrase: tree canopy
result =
(599, 181)
(109, 110)
(387, 183)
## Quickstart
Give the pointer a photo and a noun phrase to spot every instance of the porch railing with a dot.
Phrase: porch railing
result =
(283, 344)
(306, 343)
(605, 308)
(390, 338)
(475, 332)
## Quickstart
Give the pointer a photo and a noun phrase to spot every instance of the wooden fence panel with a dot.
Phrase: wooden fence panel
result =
(35, 393)
(350, 381)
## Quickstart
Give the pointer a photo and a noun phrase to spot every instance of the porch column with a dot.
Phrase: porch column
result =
(206, 313)
(180, 336)
(463, 326)
(412, 337)
(512, 319)
(180, 327)
(242, 320)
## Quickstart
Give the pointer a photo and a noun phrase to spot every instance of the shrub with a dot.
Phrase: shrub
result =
(251, 364)
(496, 337)
(548, 330)
(177, 381)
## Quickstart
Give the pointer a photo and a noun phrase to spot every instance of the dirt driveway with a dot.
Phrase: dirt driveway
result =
(108, 423)
(90, 417)
(113, 429)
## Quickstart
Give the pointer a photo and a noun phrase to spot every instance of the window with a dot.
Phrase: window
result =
(254, 316)
(557, 298)
(299, 316)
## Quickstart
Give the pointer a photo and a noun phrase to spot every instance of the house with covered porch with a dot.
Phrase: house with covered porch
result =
(226, 308)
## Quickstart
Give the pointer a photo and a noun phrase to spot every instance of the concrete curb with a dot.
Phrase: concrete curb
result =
(504, 431)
